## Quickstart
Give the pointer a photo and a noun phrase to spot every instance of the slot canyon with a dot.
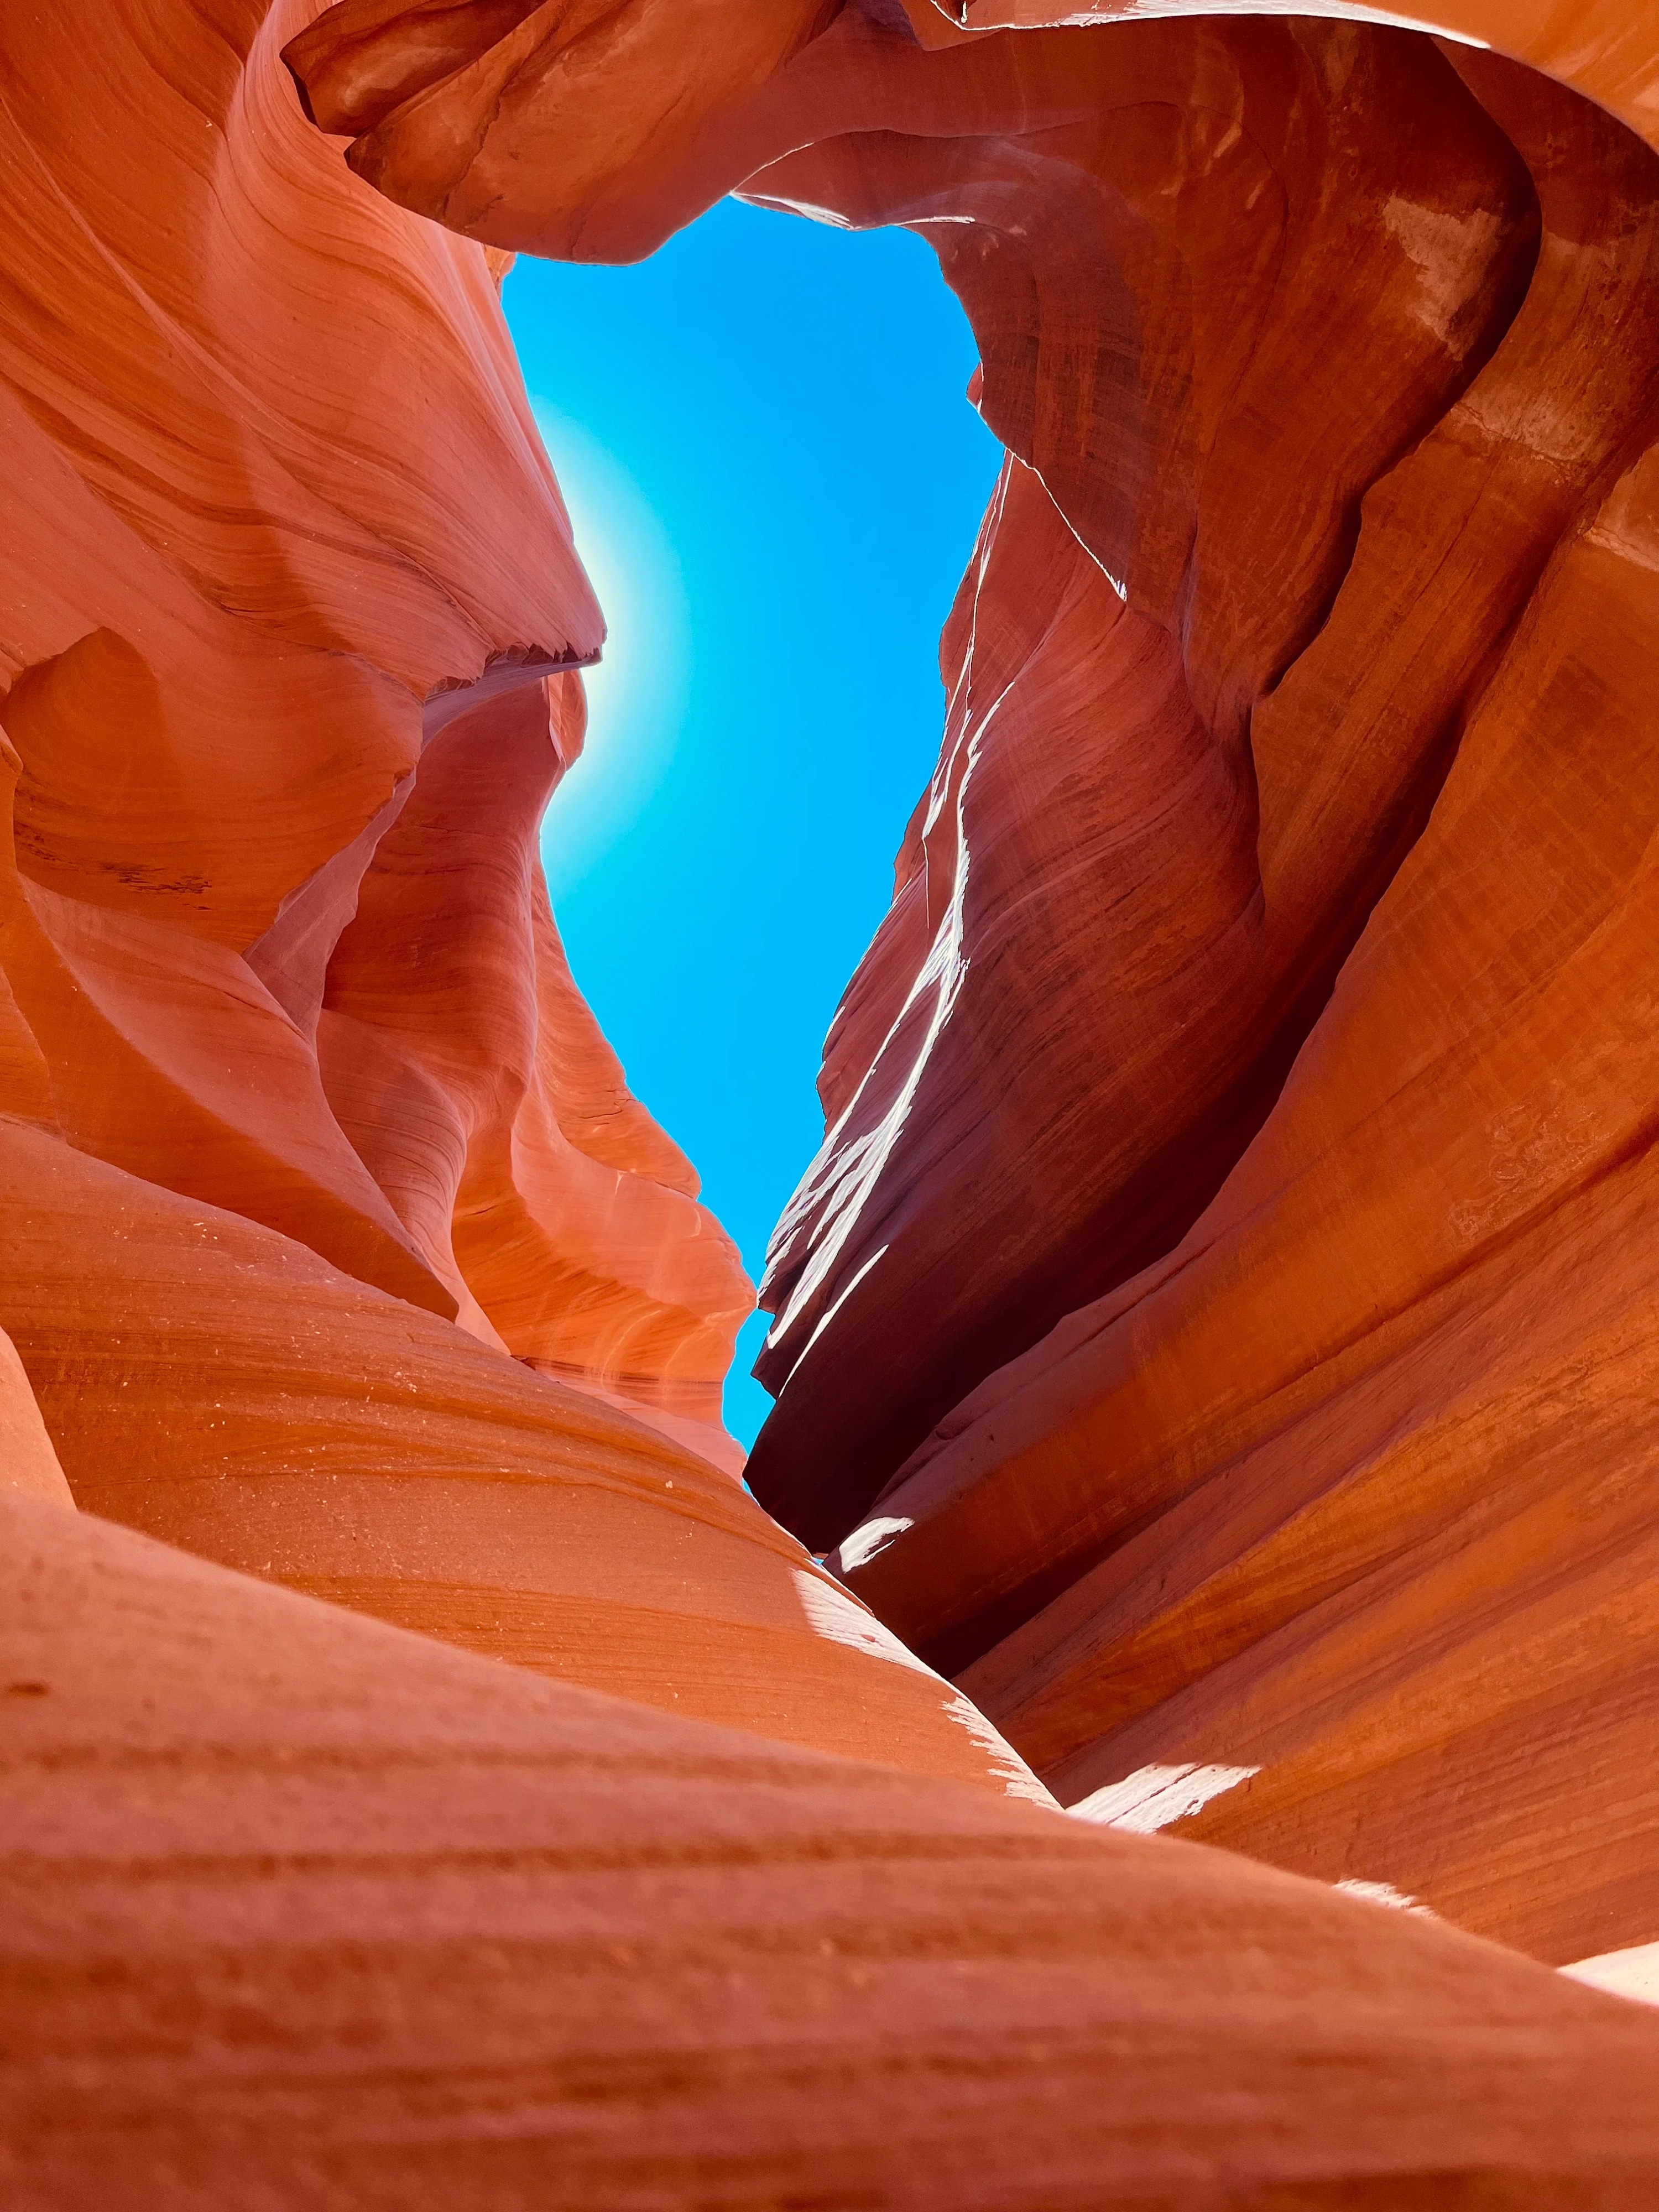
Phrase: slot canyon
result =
(1177, 1678)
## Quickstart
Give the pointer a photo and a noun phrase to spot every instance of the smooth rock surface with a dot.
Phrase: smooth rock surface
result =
(296, 1910)
(336, 1249)
(1217, 1328)
(222, 1389)
(1605, 48)
(277, 510)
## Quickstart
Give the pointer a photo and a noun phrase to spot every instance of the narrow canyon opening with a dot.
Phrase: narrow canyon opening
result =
(783, 403)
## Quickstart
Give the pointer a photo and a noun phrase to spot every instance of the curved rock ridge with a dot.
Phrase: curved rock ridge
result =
(1224, 496)
(298, 1911)
(1341, 1491)
(1215, 1330)
(252, 577)
(1604, 48)
(219, 1387)
(336, 1249)
(28, 1460)
(1312, 1497)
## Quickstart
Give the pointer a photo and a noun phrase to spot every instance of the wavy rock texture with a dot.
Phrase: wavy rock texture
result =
(1217, 1328)
(323, 1189)
(253, 570)
(1311, 1501)
(1605, 48)
(219, 1388)
(1264, 1006)
(300, 1911)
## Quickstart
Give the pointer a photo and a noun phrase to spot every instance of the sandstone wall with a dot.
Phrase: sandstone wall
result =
(336, 1249)
(1218, 1328)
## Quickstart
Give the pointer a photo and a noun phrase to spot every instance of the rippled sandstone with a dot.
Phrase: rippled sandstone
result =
(302, 1910)
(1215, 1330)
(336, 1250)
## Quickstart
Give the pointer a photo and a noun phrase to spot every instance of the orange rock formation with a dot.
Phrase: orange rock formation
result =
(1217, 1329)
(1214, 1328)
(303, 1911)
(322, 1189)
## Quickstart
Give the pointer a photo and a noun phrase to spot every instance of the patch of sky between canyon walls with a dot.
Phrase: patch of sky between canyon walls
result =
(775, 480)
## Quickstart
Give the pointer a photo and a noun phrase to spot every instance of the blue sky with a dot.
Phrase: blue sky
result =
(776, 480)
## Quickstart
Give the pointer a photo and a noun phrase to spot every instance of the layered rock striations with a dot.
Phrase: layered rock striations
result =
(1342, 1496)
(1216, 1328)
(302, 1911)
(336, 1250)
(1604, 48)
(1339, 1487)
(1223, 1283)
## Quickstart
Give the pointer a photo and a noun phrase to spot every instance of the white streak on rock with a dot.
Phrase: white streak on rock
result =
(1633, 1973)
(1384, 1892)
(864, 1543)
(836, 1613)
(1154, 1797)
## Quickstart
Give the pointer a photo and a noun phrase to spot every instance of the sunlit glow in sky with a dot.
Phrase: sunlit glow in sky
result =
(775, 482)
(638, 695)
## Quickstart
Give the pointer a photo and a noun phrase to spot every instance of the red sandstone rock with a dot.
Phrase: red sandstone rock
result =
(277, 513)
(470, 1076)
(1337, 1541)
(28, 1460)
(284, 577)
(1427, 1438)
(1105, 1105)
(1138, 1109)
(218, 1386)
(1261, 1013)
(1604, 48)
(1264, 1015)
(298, 1911)
(1451, 1706)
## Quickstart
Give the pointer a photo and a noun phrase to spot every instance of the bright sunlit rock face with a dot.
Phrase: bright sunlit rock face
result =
(1215, 1338)
(636, 694)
